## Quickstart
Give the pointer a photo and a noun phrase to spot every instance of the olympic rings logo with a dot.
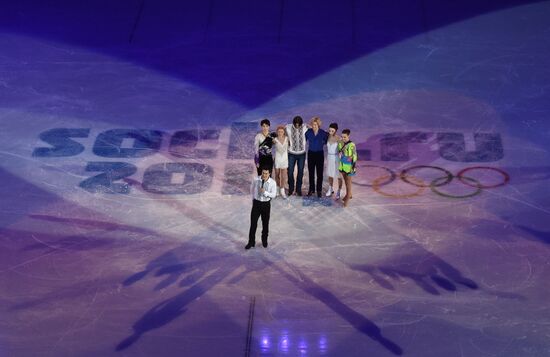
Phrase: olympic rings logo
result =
(446, 177)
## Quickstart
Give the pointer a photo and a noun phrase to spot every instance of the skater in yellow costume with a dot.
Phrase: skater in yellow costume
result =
(348, 158)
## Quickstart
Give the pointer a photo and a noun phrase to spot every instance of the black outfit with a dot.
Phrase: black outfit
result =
(265, 157)
(315, 164)
(259, 209)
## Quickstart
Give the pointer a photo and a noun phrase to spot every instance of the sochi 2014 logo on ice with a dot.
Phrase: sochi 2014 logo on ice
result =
(192, 153)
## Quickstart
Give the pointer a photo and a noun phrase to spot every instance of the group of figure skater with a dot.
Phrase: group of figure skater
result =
(290, 146)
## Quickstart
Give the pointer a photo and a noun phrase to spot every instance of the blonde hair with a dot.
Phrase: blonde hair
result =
(316, 120)
(281, 127)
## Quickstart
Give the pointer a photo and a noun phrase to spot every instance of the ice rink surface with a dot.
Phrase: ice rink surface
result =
(125, 173)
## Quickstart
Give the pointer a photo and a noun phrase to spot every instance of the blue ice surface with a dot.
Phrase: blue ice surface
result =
(97, 273)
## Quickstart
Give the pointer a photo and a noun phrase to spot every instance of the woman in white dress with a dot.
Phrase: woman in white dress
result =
(333, 160)
(281, 159)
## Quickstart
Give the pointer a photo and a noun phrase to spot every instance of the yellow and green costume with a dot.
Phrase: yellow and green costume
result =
(348, 157)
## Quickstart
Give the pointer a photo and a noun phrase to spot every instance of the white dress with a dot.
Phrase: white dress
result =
(281, 154)
(332, 159)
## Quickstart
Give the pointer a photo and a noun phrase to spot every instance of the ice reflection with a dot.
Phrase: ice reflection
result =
(265, 341)
(323, 344)
(282, 343)
(302, 347)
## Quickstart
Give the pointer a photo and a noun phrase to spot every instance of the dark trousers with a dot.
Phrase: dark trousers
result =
(259, 209)
(315, 163)
(294, 159)
(267, 162)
